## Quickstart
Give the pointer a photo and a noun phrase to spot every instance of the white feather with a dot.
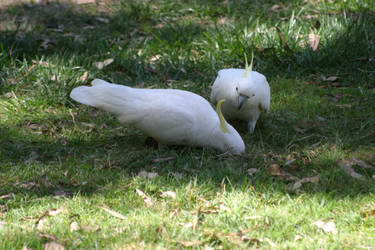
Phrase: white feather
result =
(230, 83)
(170, 116)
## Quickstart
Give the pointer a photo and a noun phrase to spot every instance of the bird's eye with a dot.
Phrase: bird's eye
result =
(236, 88)
(253, 94)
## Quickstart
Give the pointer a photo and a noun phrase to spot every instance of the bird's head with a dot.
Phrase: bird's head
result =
(243, 88)
(243, 92)
(230, 140)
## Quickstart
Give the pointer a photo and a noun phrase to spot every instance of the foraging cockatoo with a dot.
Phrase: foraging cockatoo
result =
(170, 116)
(246, 92)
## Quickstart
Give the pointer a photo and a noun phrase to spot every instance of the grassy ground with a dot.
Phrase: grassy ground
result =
(65, 167)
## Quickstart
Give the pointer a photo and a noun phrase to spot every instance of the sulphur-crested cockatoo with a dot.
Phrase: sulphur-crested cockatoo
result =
(170, 116)
(246, 92)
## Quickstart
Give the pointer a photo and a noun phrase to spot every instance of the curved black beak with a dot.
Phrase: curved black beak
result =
(241, 100)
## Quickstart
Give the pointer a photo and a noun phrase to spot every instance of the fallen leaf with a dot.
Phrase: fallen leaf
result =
(314, 41)
(328, 227)
(276, 8)
(102, 19)
(362, 164)
(90, 125)
(330, 78)
(55, 78)
(101, 65)
(155, 58)
(113, 213)
(6, 196)
(297, 238)
(298, 184)
(84, 76)
(346, 165)
(275, 170)
(53, 246)
(164, 159)
(252, 171)
(224, 208)
(189, 243)
(149, 175)
(28, 185)
(145, 198)
(84, 1)
(74, 226)
(169, 194)
(368, 213)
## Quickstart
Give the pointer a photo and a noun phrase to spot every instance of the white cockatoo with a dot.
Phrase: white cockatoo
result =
(246, 92)
(170, 116)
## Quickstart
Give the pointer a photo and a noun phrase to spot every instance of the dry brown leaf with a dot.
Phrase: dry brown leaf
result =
(145, 198)
(74, 226)
(53, 246)
(368, 213)
(275, 170)
(297, 238)
(84, 76)
(169, 194)
(330, 78)
(252, 171)
(314, 41)
(346, 165)
(276, 8)
(90, 125)
(189, 243)
(113, 213)
(84, 1)
(149, 175)
(101, 65)
(102, 19)
(328, 227)
(298, 184)
(6, 196)
(164, 159)
(155, 58)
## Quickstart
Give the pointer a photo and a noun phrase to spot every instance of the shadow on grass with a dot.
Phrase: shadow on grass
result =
(67, 31)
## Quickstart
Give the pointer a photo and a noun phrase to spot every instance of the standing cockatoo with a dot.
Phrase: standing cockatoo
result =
(246, 92)
(170, 116)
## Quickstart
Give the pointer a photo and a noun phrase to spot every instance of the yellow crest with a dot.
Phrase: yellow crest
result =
(249, 69)
(221, 117)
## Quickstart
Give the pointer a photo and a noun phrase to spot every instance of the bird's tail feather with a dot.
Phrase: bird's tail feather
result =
(102, 95)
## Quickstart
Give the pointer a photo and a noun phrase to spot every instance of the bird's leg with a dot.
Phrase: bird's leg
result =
(252, 126)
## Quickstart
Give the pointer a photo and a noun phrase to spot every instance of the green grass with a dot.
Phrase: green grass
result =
(55, 153)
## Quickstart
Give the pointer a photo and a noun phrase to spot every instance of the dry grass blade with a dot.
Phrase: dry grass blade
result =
(188, 243)
(196, 218)
(145, 198)
(282, 40)
(113, 213)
